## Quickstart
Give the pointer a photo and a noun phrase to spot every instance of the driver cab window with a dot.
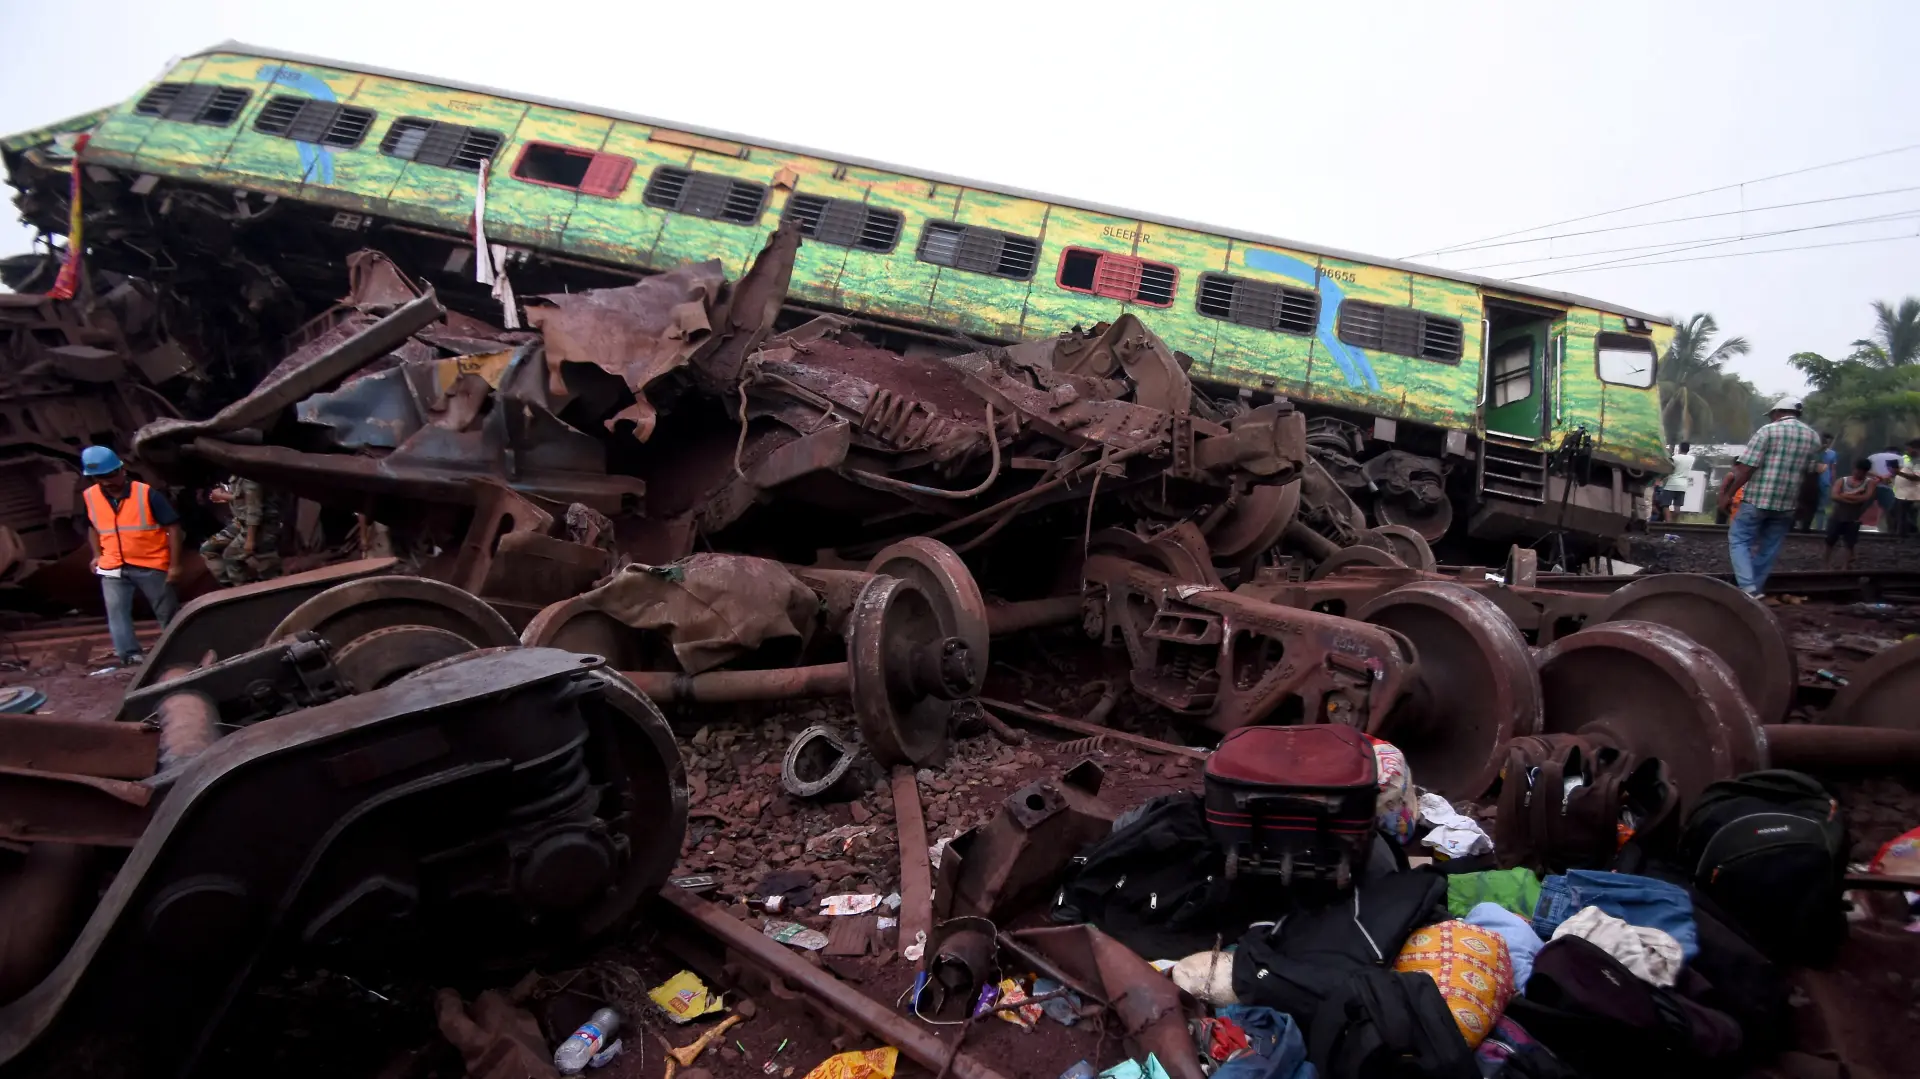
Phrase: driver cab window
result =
(1625, 360)
(1512, 372)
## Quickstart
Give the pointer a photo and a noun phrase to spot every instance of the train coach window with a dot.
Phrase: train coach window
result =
(584, 171)
(1121, 277)
(1511, 374)
(193, 103)
(705, 194)
(305, 119)
(978, 250)
(1624, 360)
(844, 222)
(1403, 331)
(447, 146)
(1258, 303)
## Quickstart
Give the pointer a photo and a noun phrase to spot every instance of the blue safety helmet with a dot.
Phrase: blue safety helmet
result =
(99, 461)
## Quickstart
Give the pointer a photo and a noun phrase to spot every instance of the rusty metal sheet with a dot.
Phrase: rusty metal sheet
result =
(266, 401)
(637, 332)
(1148, 1002)
(752, 305)
(712, 608)
(89, 747)
(60, 807)
(1020, 853)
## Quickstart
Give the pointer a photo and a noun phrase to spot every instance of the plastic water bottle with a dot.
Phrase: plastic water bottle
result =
(587, 1042)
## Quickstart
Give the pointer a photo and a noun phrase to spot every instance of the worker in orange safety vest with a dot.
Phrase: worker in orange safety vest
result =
(135, 536)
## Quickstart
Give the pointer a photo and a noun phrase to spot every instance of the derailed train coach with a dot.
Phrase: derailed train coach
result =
(238, 182)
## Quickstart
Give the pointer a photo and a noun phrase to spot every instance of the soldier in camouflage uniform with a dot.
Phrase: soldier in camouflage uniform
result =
(248, 548)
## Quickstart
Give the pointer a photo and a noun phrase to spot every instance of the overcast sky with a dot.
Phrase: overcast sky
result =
(1388, 128)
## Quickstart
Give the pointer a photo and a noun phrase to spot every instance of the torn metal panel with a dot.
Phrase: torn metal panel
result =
(1147, 1001)
(714, 608)
(260, 407)
(639, 332)
(1019, 855)
(751, 307)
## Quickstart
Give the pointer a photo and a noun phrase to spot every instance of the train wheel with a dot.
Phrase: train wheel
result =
(944, 579)
(1478, 685)
(1409, 545)
(1884, 692)
(1648, 689)
(1724, 620)
(1355, 556)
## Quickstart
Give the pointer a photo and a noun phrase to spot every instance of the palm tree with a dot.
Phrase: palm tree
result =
(1691, 381)
(1896, 335)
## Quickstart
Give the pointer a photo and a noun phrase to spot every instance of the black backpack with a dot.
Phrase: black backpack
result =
(1385, 1024)
(1548, 827)
(1770, 849)
(1296, 963)
(1157, 883)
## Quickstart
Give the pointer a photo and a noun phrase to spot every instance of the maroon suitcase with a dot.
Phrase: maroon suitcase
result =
(1293, 802)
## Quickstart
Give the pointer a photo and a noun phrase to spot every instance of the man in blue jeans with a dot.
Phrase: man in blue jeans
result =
(1776, 461)
(135, 537)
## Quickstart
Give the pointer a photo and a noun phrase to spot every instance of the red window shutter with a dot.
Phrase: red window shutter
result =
(1118, 276)
(607, 176)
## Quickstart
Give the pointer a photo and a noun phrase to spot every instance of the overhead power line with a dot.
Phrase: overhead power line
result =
(1674, 246)
(1727, 255)
(1635, 259)
(1678, 220)
(1673, 198)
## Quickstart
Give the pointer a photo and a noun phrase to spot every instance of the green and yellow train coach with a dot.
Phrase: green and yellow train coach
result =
(1482, 377)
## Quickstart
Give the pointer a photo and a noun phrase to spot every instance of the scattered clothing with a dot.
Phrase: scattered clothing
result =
(1649, 953)
(1221, 1038)
(1396, 807)
(1505, 1040)
(1472, 968)
(1133, 1069)
(1454, 833)
(1641, 901)
(1517, 890)
(1279, 1048)
(1522, 942)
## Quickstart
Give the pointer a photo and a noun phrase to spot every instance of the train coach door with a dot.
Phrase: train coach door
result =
(1515, 393)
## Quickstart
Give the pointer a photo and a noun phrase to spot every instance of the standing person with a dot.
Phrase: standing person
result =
(1884, 464)
(135, 536)
(1818, 494)
(1673, 493)
(1770, 471)
(1851, 497)
(1906, 490)
(248, 547)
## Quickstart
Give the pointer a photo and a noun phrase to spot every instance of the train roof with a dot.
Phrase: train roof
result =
(244, 49)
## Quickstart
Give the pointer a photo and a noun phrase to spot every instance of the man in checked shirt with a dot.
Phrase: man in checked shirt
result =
(1777, 458)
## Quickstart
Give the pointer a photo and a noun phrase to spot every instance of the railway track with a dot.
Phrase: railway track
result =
(1871, 586)
(1701, 528)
